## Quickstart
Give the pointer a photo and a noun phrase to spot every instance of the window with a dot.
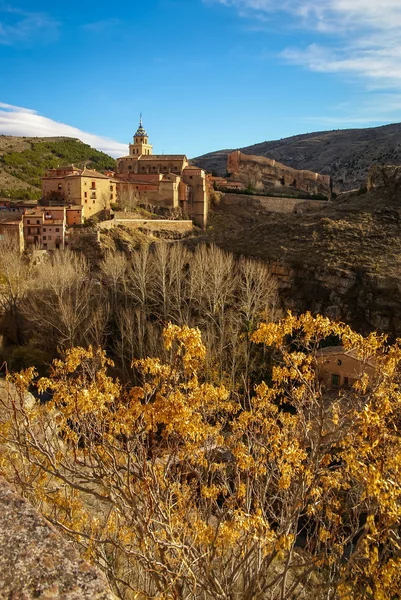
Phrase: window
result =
(44, 229)
(50, 237)
(335, 380)
(111, 188)
(37, 222)
(93, 185)
(57, 228)
(339, 362)
(29, 222)
(59, 186)
(85, 194)
(44, 237)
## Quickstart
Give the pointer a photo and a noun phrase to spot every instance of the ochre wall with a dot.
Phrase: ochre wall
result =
(264, 173)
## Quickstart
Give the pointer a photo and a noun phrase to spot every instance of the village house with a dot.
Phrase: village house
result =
(11, 227)
(46, 227)
(162, 180)
(339, 367)
(91, 190)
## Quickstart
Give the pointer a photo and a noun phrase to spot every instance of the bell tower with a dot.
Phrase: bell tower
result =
(140, 146)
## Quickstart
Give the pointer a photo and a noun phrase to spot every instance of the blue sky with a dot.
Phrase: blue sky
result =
(207, 74)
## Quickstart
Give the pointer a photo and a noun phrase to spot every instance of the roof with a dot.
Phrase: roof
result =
(84, 173)
(158, 157)
(93, 173)
(141, 131)
(13, 222)
(351, 352)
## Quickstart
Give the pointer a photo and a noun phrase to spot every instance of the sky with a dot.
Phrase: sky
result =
(206, 74)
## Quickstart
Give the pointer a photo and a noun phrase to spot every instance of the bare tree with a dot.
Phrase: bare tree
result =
(60, 305)
(127, 198)
(15, 281)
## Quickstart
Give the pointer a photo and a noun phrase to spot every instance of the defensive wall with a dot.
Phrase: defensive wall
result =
(263, 173)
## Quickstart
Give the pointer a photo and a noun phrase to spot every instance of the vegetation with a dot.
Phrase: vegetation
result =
(124, 306)
(21, 194)
(180, 488)
(29, 164)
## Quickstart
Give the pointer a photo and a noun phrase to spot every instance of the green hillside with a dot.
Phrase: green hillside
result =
(23, 161)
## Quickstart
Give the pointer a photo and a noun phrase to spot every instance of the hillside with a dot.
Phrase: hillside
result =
(346, 155)
(342, 259)
(24, 160)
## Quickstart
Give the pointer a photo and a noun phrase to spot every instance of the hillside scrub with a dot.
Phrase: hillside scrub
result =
(181, 488)
(29, 165)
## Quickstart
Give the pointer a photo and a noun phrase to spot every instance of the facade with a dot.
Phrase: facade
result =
(341, 368)
(46, 227)
(12, 228)
(91, 190)
(162, 180)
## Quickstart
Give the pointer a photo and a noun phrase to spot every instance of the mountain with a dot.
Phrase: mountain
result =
(24, 160)
(346, 154)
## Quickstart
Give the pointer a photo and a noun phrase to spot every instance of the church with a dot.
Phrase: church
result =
(163, 179)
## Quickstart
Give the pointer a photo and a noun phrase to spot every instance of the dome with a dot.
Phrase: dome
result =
(141, 131)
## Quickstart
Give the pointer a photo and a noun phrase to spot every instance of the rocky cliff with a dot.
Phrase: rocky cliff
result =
(35, 562)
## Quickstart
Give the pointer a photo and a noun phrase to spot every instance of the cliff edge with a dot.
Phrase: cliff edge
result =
(36, 562)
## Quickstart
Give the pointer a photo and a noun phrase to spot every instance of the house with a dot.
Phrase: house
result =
(338, 367)
(91, 190)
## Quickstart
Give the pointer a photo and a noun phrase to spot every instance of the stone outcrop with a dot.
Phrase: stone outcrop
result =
(265, 174)
(36, 562)
(384, 176)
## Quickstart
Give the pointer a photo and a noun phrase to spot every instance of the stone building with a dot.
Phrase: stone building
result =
(339, 367)
(162, 180)
(46, 227)
(266, 175)
(91, 190)
(11, 228)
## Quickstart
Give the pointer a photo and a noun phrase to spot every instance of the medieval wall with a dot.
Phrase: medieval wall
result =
(265, 174)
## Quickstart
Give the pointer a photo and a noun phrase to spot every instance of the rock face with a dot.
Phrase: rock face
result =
(384, 177)
(35, 562)
(265, 174)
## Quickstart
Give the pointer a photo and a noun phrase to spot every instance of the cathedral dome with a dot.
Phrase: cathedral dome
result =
(141, 131)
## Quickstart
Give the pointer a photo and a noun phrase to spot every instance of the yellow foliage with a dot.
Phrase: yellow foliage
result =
(184, 489)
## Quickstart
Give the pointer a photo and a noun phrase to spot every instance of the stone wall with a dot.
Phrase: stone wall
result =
(264, 173)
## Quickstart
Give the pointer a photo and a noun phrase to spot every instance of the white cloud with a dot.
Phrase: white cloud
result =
(15, 120)
(363, 37)
(23, 28)
(102, 26)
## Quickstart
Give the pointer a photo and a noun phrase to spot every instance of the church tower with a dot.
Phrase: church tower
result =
(141, 146)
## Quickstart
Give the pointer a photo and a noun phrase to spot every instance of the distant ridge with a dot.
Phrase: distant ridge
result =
(345, 154)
